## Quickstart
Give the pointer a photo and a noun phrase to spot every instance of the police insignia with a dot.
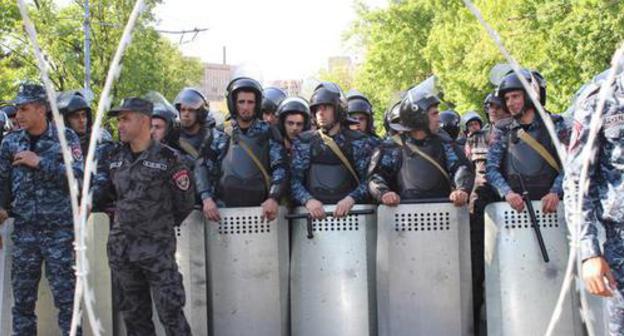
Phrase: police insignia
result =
(76, 153)
(182, 180)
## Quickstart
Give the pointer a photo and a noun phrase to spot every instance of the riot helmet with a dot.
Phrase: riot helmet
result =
(70, 102)
(293, 105)
(357, 102)
(194, 99)
(416, 104)
(244, 84)
(165, 111)
(328, 93)
(450, 123)
(271, 99)
(511, 82)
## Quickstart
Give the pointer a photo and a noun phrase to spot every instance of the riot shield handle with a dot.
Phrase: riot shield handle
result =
(309, 227)
(309, 219)
(426, 200)
(538, 233)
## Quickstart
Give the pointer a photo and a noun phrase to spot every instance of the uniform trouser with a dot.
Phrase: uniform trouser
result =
(480, 198)
(134, 280)
(614, 253)
(55, 250)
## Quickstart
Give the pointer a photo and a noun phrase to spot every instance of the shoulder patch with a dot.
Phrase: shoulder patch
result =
(76, 152)
(182, 180)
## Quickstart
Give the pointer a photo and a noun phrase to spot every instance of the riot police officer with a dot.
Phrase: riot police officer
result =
(77, 115)
(494, 108)
(195, 119)
(33, 173)
(245, 163)
(602, 269)
(418, 164)
(522, 151)
(293, 117)
(329, 165)
(449, 129)
(392, 121)
(450, 123)
(272, 97)
(477, 144)
(165, 128)
(154, 193)
(472, 123)
(360, 109)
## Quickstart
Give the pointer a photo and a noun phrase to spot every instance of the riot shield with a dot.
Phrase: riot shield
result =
(247, 272)
(191, 258)
(333, 274)
(522, 289)
(423, 270)
(99, 282)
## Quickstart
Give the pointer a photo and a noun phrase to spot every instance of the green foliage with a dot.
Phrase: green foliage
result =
(567, 41)
(151, 63)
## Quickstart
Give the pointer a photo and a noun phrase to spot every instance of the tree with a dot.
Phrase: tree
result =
(567, 41)
(151, 63)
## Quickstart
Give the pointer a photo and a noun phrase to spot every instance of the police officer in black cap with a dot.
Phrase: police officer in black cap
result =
(523, 150)
(195, 119)
(154, 193)
(360, 110)
(272, 97)
(293, 118)
(418, 164)
(329, 165)
(245, 164)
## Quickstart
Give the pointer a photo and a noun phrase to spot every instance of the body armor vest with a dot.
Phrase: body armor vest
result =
(418, 178)
(241, 183)
(521, 159)
(328, 180)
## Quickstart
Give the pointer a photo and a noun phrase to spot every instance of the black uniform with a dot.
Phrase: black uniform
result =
(154, 193)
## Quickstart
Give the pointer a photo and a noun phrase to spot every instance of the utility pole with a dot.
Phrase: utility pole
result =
(87, 47)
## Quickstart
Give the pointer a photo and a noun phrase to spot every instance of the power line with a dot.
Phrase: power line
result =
(182, 33)
(194, 30)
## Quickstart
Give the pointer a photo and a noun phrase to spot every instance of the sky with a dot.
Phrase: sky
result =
(273, 39)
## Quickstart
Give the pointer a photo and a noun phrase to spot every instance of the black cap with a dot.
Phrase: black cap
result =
(133, 104)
